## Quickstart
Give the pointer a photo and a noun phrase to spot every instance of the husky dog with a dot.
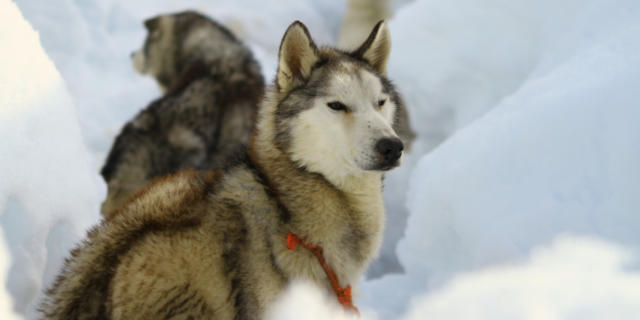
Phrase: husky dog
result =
(221, 245)
(212, 84)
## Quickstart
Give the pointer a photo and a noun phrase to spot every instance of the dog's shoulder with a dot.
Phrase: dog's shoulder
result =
(164, 197)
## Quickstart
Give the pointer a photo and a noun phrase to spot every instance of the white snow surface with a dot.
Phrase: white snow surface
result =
(49, 192)
(521, 190)
(305, 301)
(6, 300)
(575, 278)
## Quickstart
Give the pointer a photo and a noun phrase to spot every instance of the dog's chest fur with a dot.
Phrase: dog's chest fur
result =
(347, 226)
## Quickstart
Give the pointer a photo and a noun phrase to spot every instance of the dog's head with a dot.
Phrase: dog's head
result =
(176, 40)
(336, 109)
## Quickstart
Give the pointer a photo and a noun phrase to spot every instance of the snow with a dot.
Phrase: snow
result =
(6, 301)
(305, 301)
(575, 278)
(49, 192)
(519, 198)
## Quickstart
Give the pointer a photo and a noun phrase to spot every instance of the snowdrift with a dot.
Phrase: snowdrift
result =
(49, 192)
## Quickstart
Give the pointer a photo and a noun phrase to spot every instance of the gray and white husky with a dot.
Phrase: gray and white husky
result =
(212, 87)
(222, 245)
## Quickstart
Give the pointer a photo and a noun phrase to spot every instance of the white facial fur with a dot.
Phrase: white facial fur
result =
(342, 144)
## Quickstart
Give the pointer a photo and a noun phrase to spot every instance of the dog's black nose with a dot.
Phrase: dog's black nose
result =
(390, 149)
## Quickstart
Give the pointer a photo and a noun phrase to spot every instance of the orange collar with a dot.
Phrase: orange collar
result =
(343, 294)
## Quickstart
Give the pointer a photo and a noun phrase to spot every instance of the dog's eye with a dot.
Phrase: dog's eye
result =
(381, 102)
(338, 106)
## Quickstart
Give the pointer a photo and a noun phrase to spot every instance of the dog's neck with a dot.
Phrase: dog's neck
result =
(347, 220)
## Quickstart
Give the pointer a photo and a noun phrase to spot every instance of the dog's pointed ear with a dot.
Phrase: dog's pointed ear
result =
(296, 57)
(376, 48)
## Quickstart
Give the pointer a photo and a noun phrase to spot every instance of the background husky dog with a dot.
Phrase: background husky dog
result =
(214, 246)
(213, 85)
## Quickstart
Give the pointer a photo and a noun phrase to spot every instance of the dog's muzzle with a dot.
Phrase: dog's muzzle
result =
(139, 63)
(389, 151)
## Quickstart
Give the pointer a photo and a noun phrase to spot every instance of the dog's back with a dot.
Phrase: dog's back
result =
(105, 277)
(213, 86)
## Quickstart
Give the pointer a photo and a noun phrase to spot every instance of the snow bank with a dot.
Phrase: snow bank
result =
(556, 155)
(6, 301)
(575, 278)
(48, 193)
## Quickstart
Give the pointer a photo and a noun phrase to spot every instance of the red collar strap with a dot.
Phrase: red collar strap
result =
(343, 294)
